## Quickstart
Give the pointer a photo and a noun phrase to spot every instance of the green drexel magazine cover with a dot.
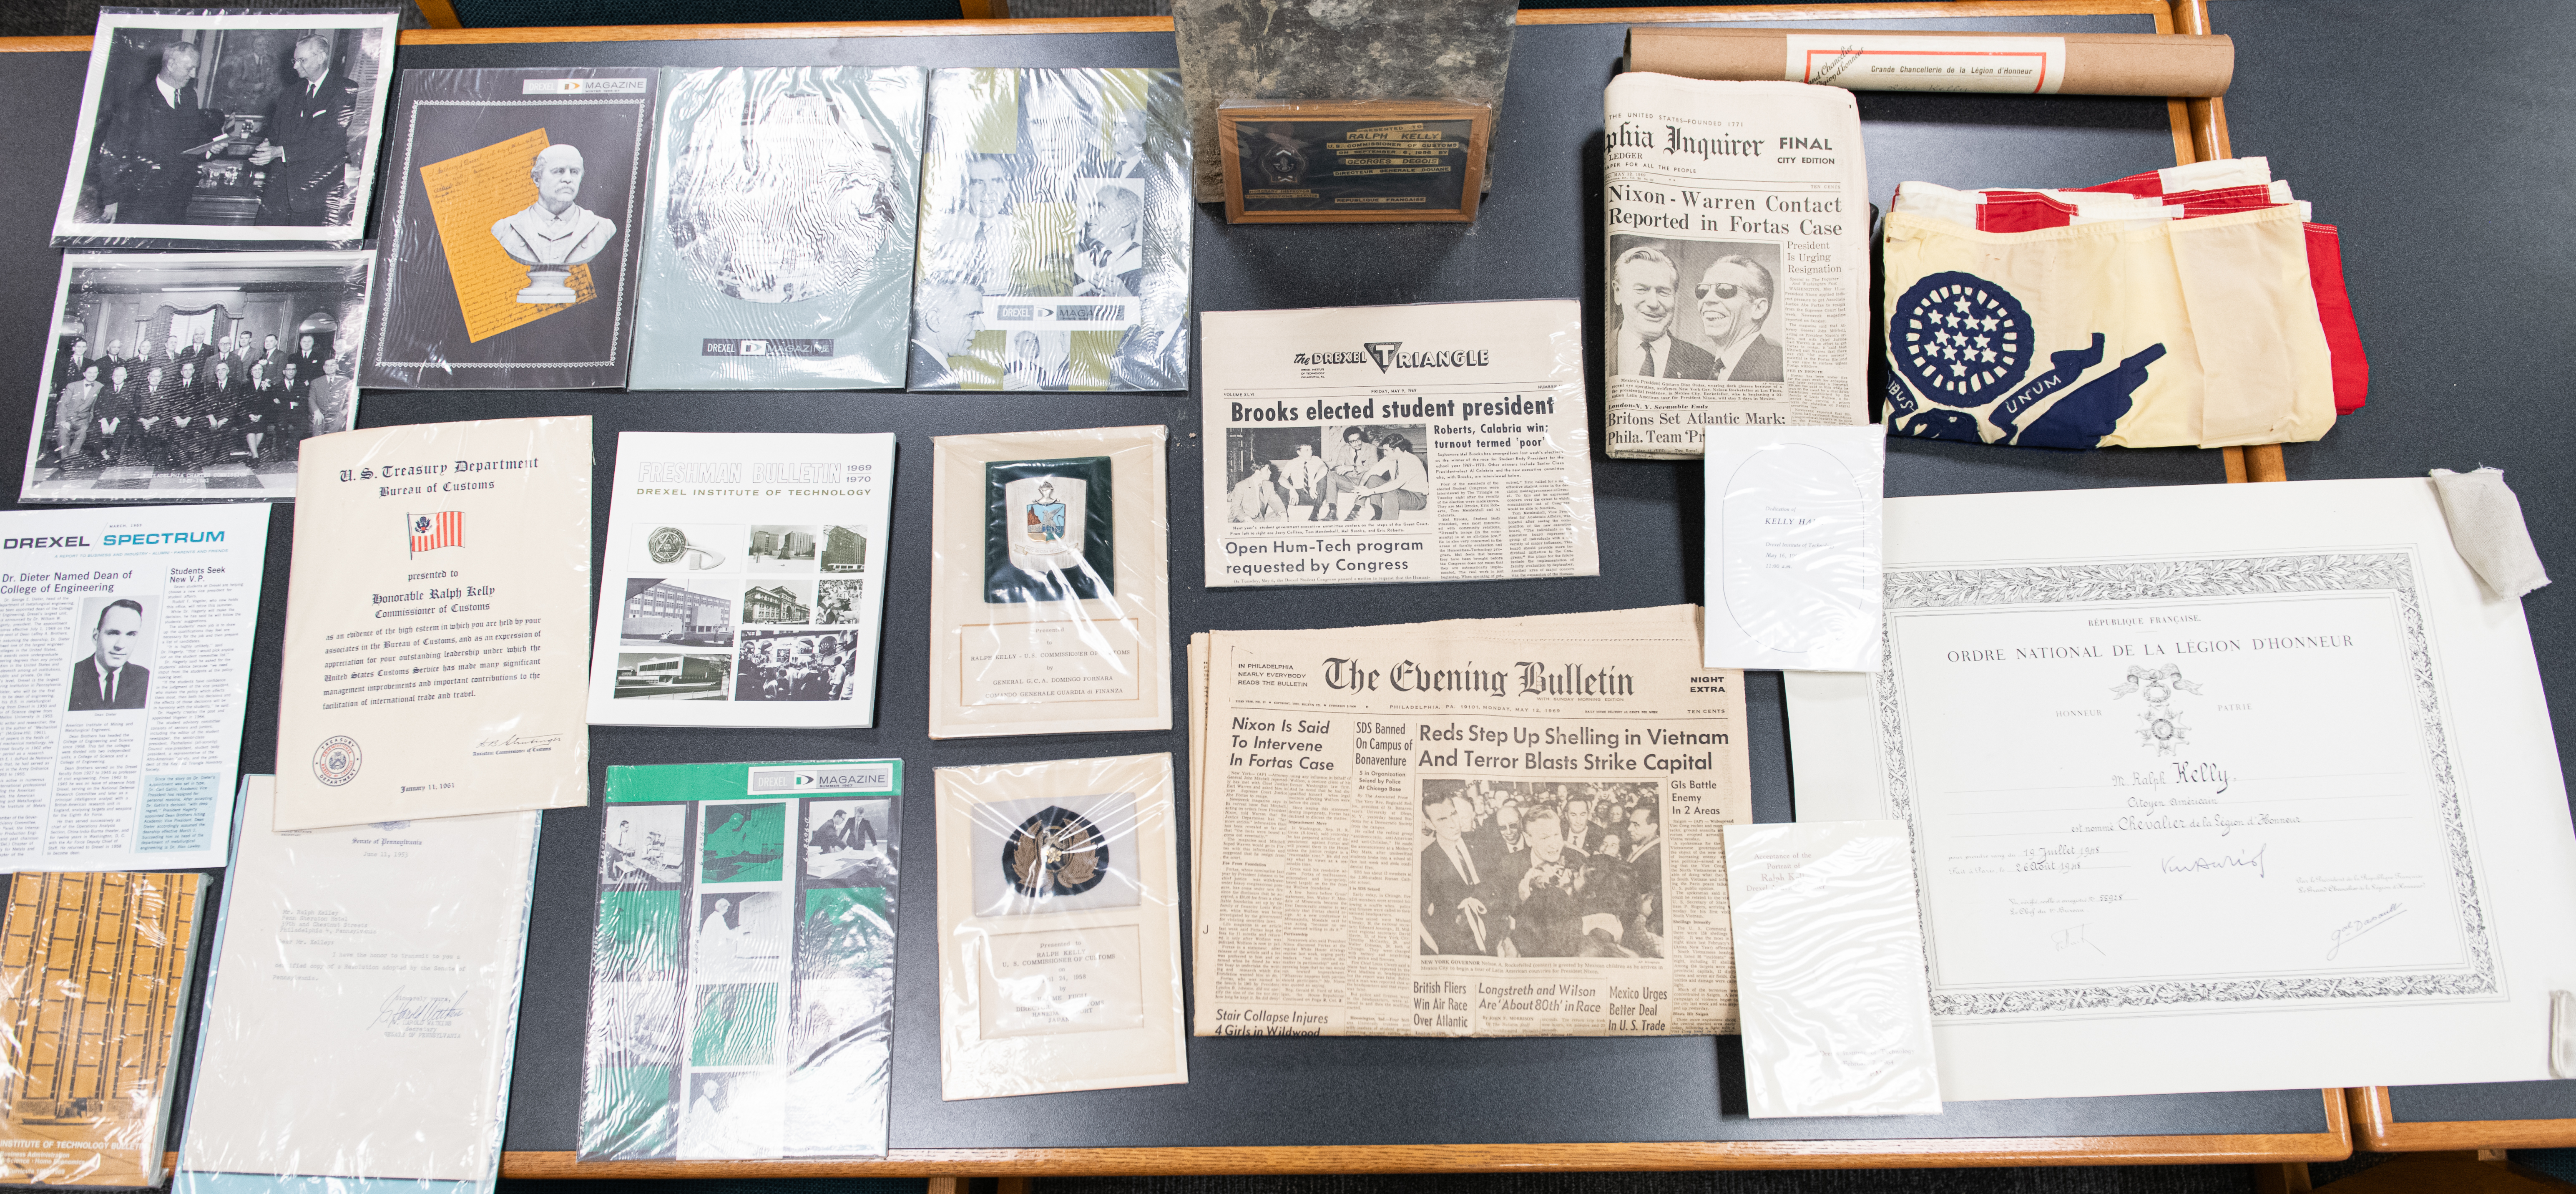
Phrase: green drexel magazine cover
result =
(778, 232)
(742, 968)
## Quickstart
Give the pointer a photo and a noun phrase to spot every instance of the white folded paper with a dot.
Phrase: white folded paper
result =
(1829, 970)
(1793, 547)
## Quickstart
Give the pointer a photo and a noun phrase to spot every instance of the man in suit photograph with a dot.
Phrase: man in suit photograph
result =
(944, 317)
(1112, 259)
(109, 678)
(306, 144)
(1646, 284)
(1461, 912)
(147, 140)
(1734, 296)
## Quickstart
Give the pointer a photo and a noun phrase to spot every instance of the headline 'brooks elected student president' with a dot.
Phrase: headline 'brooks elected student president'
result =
(108, 679)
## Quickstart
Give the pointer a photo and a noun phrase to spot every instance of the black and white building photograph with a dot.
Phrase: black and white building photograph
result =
(1539, 870)
(194, 376)
(1335, 472)
(672, 676)
(244, 128)
(780, 547)
(681, 611)
(778, 603)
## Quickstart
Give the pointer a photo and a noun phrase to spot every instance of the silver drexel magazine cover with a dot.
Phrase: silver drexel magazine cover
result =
(778, 231)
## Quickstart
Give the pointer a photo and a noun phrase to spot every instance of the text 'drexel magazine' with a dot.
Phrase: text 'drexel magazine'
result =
(745, 581)
(509, 242)
(742, 964)
(778, 233)
(1055, 232)
(236, 128)
(194, 376)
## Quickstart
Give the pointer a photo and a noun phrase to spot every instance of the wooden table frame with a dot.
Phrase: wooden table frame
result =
(2199, 134)
(2376, 1128)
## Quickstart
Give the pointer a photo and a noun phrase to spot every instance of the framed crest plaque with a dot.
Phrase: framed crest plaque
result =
(1353, 161)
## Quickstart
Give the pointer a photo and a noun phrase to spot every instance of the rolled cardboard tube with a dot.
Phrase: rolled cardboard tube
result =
(2157, 64)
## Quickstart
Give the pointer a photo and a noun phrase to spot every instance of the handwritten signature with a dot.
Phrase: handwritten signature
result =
(417, 1011)
(2068, 938)
(2354, 928)
(522, 740)
(2240, 860)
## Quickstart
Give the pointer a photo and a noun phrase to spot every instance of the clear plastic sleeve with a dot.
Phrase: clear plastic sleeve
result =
(778, 230)
(1050, 584)
(742, 964)
(362, 1010)
(94, 977)
(215, 128)
(1060, 928)
(509, 238)
(1055, 232)
(1829, 970)
(1793, 547)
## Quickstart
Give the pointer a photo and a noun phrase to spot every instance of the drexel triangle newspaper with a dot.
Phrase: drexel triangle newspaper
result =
(1477, 828)
(1433, 441)
(1738, 258)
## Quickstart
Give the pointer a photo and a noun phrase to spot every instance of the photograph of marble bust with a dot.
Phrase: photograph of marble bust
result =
(553, 234)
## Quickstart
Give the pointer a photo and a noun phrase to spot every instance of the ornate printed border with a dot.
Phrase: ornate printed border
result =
(1961, 588)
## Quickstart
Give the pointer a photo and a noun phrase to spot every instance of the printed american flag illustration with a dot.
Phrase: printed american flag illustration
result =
(430, 532)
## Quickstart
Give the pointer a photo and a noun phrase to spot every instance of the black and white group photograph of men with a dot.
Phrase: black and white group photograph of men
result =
(1694, 309)
(197, 375)
(797, 665)
(244, 128)
(115, 674)
(836, 602)
(1337, 472)
(1089, 202)
(1537, 870)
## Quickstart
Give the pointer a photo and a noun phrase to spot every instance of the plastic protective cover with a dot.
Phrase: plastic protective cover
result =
(1055, 232)
(1060, 928)
(247, 151)
(742, 969)
(1793, 547)
(490, 280)
(778, 231)
(1829, 970)
(1050, 585)
(94, 973)
(362, 1010)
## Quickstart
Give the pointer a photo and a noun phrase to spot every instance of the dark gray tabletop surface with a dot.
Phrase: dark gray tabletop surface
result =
(2452, 206)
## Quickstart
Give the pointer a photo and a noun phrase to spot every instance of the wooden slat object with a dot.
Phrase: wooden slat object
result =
(439, 13)
(2376, 1128)
(2333, 1144)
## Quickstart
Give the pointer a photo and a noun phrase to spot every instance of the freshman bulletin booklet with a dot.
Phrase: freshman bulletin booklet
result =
(745, 581)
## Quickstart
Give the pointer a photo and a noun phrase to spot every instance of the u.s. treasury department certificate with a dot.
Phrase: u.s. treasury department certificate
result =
(437, 624)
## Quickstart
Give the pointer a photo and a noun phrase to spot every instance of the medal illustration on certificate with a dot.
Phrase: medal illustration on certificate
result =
(1047, 530)
(1055, 851)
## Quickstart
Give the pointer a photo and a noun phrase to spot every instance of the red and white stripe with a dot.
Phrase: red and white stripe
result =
(445, 530)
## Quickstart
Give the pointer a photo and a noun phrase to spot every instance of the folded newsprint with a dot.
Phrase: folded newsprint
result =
(1498, 804)
(1432, 441)
(1738, 256)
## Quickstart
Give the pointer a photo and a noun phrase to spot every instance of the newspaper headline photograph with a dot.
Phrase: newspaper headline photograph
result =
(1525, 818)
(1738, 256)
(1363, 445)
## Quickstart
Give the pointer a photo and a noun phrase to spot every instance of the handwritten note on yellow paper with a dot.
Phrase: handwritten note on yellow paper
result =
(470, 192)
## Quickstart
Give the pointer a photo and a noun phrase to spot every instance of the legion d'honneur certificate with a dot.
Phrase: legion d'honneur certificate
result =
(438, 624)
